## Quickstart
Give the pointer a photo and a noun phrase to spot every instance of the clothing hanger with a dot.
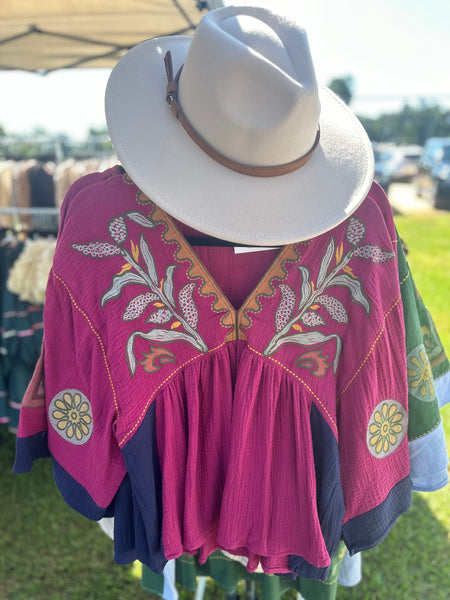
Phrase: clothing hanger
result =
(199, 240)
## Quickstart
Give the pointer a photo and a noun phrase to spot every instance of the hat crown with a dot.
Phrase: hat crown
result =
(248, 87)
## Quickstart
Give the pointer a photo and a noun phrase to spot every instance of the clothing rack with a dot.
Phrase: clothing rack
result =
(30, 219)
(29, 210)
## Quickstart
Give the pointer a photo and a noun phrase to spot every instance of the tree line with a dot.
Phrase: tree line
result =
(411, 125)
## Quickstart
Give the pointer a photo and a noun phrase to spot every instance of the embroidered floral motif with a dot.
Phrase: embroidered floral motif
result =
(177, 314)
(420, 376)
(156, 358)
(118, 229)
(97, 249)
(387, 427)
(286, 306)
(137, 306)
(302, 306)
(70, 415)
(315, 361)
(187, 304)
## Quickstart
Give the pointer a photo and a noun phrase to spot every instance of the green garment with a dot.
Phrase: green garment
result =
(426, 359)
(227, 573)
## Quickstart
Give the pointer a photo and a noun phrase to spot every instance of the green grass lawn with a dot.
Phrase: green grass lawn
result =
(49, 552)
(428, 239)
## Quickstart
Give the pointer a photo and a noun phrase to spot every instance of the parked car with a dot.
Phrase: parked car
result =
(433, 177)
(396, 164)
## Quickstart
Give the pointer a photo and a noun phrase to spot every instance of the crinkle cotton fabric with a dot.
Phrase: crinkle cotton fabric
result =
(270, 427)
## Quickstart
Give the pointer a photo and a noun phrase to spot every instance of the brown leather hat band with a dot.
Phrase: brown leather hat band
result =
(172, 101)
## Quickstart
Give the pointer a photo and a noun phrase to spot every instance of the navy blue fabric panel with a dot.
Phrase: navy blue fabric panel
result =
(30, 449)
(330, 499)
(368, 530)
(142, 463)
(124, 542)
(77, 497)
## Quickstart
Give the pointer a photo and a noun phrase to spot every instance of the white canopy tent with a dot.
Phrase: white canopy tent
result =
(44, 35)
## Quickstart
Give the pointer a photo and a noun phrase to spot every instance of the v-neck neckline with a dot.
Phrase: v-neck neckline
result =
(193, 256)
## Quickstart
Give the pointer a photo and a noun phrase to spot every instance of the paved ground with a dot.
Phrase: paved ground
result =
(404, 200)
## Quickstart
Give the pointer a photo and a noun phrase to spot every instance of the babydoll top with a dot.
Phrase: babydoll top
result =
(269, 430)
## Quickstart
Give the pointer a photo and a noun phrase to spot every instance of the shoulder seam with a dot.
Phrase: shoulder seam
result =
(371, 349)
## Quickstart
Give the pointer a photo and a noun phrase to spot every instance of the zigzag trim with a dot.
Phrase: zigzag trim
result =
(277, 271)
(196, 269)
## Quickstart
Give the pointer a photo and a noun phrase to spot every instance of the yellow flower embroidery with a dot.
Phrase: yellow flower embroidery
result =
(70, 415)
(387, 427)
(420, 376)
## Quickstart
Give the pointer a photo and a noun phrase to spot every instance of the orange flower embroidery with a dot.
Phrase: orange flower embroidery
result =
(156, 358)
(315, 361)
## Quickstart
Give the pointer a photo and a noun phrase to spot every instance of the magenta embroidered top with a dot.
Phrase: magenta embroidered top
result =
(269, 422)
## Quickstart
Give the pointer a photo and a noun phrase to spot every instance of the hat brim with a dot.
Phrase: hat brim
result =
(176, 174)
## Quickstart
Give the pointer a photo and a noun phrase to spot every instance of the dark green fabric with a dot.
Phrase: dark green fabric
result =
(422, 402)
(227, 573)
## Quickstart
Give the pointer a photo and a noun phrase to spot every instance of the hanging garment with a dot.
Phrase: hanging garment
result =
(228, 573)
(28, 275)
(20, 341)
(200, 426)
(426, 362)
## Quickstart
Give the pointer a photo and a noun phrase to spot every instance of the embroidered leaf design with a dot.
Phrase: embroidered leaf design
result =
(137, 306)
(118, 282)
(148, 258)
(312, 319)
(349, 270)
(373, 253)
(307, 285)
(339, 253)
(97, 249)
(355, 288)
(175, 325)
(158, 335)
(126, 267)
(297, 327)
(167, 287)
(334, 307)
(286, 306)
(326, 260)
(135, 251)
(311, 338)
(187, 304)
(356, 230)
(118, 229)
(141, 219)
(160, 316)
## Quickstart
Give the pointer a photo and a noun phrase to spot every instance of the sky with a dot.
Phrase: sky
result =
(396, 51)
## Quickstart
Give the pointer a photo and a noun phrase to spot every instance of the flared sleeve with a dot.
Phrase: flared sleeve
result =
(70, 408)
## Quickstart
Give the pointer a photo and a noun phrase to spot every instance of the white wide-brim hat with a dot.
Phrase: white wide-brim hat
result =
(248, 89)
